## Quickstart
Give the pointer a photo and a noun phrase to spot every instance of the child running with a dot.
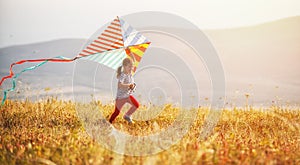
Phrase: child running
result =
(126, 86)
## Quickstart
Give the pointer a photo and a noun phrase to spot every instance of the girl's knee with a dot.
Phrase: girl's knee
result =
(134, 101)
(137, 105)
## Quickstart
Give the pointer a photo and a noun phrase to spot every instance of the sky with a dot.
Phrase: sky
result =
(32, 21)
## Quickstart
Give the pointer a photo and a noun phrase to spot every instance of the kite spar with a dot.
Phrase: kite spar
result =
(118, 41)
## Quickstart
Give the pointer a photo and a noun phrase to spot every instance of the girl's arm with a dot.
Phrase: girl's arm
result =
(132, 57)
(124, 86)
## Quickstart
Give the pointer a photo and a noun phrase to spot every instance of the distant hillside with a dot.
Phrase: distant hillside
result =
(269, 49)
(263, 60)
(62, 47)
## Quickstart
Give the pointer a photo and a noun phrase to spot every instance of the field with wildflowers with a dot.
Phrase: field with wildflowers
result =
(49, 132)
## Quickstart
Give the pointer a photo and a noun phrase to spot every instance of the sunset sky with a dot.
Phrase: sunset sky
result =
(30, 21)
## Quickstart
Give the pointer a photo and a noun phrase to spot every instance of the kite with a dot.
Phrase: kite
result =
(118, 41)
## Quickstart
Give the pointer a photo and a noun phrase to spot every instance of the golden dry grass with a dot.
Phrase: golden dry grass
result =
(49, 132)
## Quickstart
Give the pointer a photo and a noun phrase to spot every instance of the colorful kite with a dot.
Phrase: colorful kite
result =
(118, 41)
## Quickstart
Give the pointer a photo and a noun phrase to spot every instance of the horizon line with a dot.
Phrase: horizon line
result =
(204, 29)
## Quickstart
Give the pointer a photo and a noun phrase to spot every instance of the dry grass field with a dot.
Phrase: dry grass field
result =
(49, 132)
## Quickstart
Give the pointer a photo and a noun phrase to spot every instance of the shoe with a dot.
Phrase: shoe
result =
(127, 118)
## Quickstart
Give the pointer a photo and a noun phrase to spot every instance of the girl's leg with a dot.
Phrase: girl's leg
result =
(134, 105)
(118, 106)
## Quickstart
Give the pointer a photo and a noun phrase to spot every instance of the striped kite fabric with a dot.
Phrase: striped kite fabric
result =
(110, 39)
(118, 41)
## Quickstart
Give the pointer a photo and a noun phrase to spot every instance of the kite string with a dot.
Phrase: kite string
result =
(14, 80)
(15, 76)
(55, 59)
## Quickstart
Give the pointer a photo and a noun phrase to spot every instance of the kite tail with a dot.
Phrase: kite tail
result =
(15, 76)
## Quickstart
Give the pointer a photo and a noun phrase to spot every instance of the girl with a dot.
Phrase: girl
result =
(126, 86)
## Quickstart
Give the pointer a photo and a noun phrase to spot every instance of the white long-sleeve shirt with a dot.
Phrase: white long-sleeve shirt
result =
(124, 79)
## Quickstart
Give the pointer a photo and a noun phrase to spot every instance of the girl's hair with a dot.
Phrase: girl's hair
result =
(126, 61)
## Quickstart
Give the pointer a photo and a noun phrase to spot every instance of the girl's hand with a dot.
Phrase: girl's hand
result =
(131, 86)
